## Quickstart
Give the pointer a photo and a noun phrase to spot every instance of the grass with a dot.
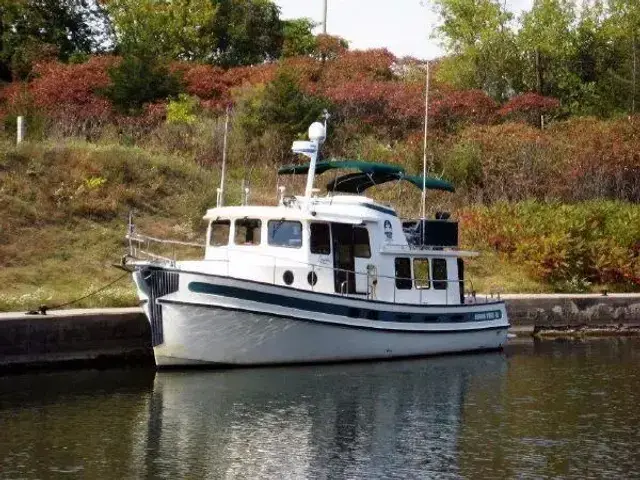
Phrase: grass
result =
(491, 273)
(64, 208)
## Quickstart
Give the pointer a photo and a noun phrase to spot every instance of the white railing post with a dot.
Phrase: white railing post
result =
(20, 133)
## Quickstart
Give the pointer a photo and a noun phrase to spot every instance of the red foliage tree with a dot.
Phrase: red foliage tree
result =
(61, 89)
(528, 108)
(214, 85)
(329, 46)
(452, 109)
(375, 65)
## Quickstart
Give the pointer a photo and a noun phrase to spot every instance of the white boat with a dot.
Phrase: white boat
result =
(316, 279)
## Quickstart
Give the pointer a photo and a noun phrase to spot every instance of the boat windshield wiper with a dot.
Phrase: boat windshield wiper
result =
(277, 227)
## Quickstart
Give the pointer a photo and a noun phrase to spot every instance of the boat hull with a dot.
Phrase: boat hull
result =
(201, 335)
(205, 319)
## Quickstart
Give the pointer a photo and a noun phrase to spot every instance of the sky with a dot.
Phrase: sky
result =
(401, 26)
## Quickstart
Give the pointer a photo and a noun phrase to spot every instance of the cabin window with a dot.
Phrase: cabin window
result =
(248, 231)
(439, 266)
(403, 273)
(220, 233)
(421, 273)
(320, 239)
(285, 233)
(361, 248)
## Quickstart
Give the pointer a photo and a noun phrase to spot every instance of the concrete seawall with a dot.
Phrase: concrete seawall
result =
(562, 312)
(75, 338)
(109, 337)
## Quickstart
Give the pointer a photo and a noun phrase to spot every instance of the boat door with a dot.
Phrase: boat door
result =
(343, 258)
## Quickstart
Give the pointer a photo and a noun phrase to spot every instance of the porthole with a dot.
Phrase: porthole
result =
(312, 278)
(287, 277)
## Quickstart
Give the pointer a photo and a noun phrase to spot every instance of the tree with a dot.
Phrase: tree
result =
(479, 35)
(139, 80)
(223, 32)
(547, 40)
(31, 30)
(298, 37)
(171, 29)
(623, 25)
(247, 32)
(277, 112)
(595, 63)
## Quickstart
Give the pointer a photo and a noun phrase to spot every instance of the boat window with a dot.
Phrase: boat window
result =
(320, 239)
(403, 274)
(421, 273)
(439, 266)
(361, 248)
(220, 233)
(285, 233)
(248, 231)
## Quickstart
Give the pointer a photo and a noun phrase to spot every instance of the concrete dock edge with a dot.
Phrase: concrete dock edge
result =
(94, 338)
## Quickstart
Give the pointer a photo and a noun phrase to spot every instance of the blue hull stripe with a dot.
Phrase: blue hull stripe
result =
(335, 325)
(314, 306)
(380, 209)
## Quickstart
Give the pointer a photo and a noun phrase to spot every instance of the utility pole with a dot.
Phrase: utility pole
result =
(324, 18)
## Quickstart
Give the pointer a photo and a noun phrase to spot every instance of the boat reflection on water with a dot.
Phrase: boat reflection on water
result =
(392, 419)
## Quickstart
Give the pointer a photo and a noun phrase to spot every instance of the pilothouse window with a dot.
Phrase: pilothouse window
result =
(421, 273)
(320, 239)
(439, 266)
(285, 233)
(220, 233)
(403, 273)
(361, 248)
(248, 231)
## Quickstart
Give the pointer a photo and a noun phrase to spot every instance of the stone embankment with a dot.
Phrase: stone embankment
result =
(108, 337)
(570, 314)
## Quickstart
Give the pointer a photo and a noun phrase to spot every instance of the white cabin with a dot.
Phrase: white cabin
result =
(343, 244)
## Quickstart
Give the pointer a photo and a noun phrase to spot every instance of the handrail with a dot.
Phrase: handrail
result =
(142, 239)
(403, 246)
(145, 238)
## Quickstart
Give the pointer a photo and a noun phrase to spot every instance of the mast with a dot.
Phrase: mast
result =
(317, 135)
(424, 153)
(310, 149)
(220, 201)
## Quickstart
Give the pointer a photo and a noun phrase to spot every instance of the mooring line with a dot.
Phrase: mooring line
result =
(43, 309)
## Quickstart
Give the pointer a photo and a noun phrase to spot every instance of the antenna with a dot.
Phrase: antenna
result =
(424, 156)
(224, 161)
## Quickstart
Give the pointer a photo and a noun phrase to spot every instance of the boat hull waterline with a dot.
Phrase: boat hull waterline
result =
(222, 321)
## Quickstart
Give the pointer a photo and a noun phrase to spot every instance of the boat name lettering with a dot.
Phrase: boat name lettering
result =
(494, 315)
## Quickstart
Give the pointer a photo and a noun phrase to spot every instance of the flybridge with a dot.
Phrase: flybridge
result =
(369, 174)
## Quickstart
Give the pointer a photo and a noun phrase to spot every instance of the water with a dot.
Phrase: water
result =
(546, 410)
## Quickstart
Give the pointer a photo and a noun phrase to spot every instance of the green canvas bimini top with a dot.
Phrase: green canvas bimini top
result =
(430, 183)
(321, 167)
(368, 175)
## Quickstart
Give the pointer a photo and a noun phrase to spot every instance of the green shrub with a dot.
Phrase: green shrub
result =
(570, 246)
(182, 110)
(463, 165)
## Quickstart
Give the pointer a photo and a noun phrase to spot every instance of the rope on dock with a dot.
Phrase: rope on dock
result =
(43, 309)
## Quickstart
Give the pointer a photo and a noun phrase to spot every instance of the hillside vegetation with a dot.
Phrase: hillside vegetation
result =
(64, 208)
(63, 211)
(533, 118)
